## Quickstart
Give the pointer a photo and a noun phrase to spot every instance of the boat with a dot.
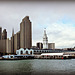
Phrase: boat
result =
(17, 57)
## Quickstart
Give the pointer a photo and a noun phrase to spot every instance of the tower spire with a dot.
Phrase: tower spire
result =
(45, 31)
(12, 31)
(45, 40)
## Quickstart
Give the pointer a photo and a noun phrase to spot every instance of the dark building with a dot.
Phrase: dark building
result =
(39, 45)
(18, 40)
(0, 33)
(12, 42)
(25, 33)
(3, 38)
(4, 34)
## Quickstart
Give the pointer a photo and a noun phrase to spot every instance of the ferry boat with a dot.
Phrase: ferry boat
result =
(17, 57)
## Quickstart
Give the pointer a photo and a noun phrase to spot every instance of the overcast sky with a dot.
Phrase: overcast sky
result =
(57, 17)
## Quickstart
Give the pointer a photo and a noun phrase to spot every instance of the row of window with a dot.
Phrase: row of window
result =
(41, 51)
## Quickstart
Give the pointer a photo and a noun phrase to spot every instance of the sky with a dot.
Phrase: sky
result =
(58, 17)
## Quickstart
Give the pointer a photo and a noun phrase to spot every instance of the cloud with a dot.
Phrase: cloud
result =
(57, 17)
(62, 34)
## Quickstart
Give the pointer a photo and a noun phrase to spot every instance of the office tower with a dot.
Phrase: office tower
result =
(0, 33)
(51, 45)
(16, 42)
(8, 46)
(2, 47)
(3, 37)
(45, 40)
(12, 42)
(4, 34)
(39, 45)
(25, 33)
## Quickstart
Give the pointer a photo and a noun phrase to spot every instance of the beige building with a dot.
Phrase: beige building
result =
(2, 46)
(8, 46)
(5, 46)
(51, 45)
(3, 38)
(16, 42)
(25, 33)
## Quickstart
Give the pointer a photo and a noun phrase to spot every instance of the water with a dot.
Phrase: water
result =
(37, 67)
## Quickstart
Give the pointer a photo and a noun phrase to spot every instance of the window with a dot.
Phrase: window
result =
(21, 52)
(30, 52)
(26, 52)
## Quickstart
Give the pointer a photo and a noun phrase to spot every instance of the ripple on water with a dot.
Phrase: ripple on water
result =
(32, 67)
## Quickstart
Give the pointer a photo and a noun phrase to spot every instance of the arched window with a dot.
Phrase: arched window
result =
(26, 52)
(30, 52)
(21, 52)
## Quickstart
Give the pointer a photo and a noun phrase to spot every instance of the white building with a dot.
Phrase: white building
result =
(45, 40)
(21, 51)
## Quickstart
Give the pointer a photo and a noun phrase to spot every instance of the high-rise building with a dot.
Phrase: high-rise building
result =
(23, 38)
(0, 33)
(2, 47)
(25, 33)
(45, 40)
(12, 42)
(8, 46)
(16, 42)
(3, 37)
(39, 45)
(4, 34)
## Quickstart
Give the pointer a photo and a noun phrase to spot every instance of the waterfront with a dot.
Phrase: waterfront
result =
(38, 67)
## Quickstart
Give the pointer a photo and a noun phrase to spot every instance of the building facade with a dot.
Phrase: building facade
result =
(8, 46)
(0, 33)
(4, 34)
(25, 33)
(3, 38)
(26, 51)
(51, 45)
(39, 45)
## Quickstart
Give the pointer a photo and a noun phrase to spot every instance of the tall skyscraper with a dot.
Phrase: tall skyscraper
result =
(3, 38)
(45, 40)
(16, 42)
(12, 42)
(0, 33)
(25, 33)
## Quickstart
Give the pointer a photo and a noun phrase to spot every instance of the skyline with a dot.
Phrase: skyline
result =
(58, 19)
